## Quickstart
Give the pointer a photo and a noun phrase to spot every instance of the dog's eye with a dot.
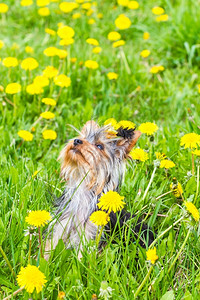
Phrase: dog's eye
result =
(100, 146)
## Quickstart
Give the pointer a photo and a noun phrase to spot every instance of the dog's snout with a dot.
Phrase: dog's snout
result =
(77, 142)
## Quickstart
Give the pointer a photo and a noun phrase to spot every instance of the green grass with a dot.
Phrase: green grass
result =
(170, 99)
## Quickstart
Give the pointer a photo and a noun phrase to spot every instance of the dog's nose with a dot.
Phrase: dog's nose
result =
(77, 142)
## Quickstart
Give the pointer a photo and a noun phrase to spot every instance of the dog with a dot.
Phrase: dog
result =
(91, 164)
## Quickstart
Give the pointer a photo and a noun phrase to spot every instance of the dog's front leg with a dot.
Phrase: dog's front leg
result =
(60, 230)
(89, 233)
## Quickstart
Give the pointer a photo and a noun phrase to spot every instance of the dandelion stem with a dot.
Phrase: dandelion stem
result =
(9, 101)
(98, 236)
(192, 164)
(123, 56)
(59, 93)
(179, 252)
(197, 191)
(7, 261)
(29, 250)
(143, 282)
(38, 120)
(150, 182)
(40, 241)
(165, 231)
(163, 195)
(13, 294)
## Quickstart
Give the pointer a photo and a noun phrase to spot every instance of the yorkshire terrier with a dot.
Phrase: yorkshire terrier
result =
(93, 163)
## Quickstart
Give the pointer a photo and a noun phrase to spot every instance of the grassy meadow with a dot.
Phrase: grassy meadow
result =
(167, 95)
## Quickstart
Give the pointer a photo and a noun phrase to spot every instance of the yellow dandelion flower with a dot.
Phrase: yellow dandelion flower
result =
(10, 62)
(176, 189)
(146, 35)
(122, 22)
(25, 135)
(62, 53)
(196, 152)
(112, 75)
(41, 80)
(86, 6)
(118, 44)
(3, 8)
(162, 18)
(151, 255)
(96, 50)
(133, 5)
(148, 128)
(38, 218)
(160, 155)
(1, 88)
(100, 16)
(68, 7)
(50, 72)
(192, 209)
(92, 41)
(157, 10)
(13, 88)
(114, 36)
(60, 24)
(91, 64)
(139, 154)
(26, 2)
(35, 173)
(1, 44)
(50, 31)
(167, 164)
(99, 218)
(61, 295)
(123, 2)
(156, 69)
(138, 88)
(49, 101)
(47, 115)
(89, 12)
(34, 89)
(62, 80)
(111, 122)
(66, 42)
(31, 278)
(42, 2)
(125, 124)
(111, 201)
(65, 32)
(73, 59)
(44, 11)
(50, 51)
(76, 16)
(91, 21)
(190, 140)
(49, 134)
(29, 49)
(29, 63)
(145, 53)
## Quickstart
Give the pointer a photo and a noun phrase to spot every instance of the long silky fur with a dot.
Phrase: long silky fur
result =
(88, 172)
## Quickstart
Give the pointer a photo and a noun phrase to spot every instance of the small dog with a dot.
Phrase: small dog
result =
(92, 164)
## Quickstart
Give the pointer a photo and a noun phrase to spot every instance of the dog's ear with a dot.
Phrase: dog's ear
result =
(89, 128)
(128, 140)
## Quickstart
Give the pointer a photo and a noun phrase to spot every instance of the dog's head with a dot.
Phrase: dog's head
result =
(97, 156)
